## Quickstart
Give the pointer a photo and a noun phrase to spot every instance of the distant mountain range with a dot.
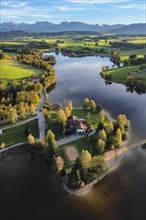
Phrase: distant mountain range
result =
(47, 27)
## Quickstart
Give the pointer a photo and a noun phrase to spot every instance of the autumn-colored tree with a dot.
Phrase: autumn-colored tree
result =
(70, 106)
(67, 112)
(59, 163)
(45, 111)
(92, 106)
(85, 158)
(61, 117)
(13, 116)
(32, 109)
(102, 135)
(100, 145)
(50, 138)
(2, 145)
(23, 112)
(31, 139)
(119, 136)
(86, 103)
(109, 128)
(102, 116)
(121, 119)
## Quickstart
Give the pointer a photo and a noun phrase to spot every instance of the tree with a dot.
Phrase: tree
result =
(59, 163)
(23, 112)
(50, 138)
(61, 117)
(113, 142)
(32, 109)
(86, 103)
(121, 126)
(100, 145)
(45, 111)
(119, 136)
(92, 106)
(48, 118)
(31, 139)
(67, 112)
(28, 129)
(102, 135)
(102, 116)
(13, 116)
(125, 135)
(109, 128)
(100, 126)
(70, 106)
(78, 164)
(121, 119)
(85, 158)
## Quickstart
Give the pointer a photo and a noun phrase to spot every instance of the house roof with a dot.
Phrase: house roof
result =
(72, 118)
(80, 125)
(55, 106)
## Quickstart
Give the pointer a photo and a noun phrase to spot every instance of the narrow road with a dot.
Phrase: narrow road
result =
(21, 123)
(40, 116)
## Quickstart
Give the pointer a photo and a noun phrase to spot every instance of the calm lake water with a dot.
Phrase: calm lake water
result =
(28, 189)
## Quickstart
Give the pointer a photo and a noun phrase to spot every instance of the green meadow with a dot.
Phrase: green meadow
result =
(16, 134)
(119, 75)
(12, 70)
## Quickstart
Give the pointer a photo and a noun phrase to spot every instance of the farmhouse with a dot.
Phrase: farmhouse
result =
(54, 106)
(78, 125)
(34, 79)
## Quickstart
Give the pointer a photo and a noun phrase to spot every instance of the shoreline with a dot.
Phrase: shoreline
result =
(112, 164)
(112, 159)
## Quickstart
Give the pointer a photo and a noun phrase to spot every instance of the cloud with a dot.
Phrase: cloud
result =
(13, 4)
(66, 8)
(132, 6)
(28, 11)
(95, 1)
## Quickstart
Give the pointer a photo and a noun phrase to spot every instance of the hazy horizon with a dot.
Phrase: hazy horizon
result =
(86, 11)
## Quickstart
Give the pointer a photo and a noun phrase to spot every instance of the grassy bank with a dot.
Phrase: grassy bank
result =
(119, 75)
(12, 70)
(16, 134)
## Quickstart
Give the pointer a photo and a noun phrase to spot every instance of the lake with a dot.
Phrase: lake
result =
(29, 190)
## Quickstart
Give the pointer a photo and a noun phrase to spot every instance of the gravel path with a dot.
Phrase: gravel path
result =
(21, 123)
(71, 138)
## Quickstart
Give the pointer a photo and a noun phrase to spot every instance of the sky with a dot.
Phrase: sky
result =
(87, 11)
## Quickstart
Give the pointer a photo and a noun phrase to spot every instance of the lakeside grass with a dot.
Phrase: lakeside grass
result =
(16, 134)
(94, 118)
(12, 70)
(119, 75)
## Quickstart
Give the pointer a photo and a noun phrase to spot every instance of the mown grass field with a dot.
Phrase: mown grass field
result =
(12, 70)
(16, 134)
(119, 75)
(125, 54)
(94, 118)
